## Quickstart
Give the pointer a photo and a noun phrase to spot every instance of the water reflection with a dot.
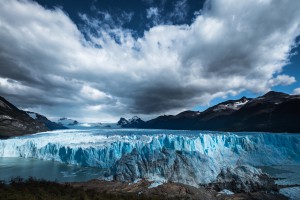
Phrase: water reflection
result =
(49, 170)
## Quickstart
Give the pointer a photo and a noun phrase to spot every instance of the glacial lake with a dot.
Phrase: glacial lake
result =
(45, 169)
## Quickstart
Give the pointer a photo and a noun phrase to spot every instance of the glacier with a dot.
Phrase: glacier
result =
(190, 157)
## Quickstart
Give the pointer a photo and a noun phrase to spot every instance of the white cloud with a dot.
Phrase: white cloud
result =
(282, 80)
(14, 87)
(296, 91)
(94, 107)
(152, 12)
(92, 93)
(180, 10)
(233, 46)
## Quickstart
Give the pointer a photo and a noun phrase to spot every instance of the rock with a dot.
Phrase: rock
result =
(244, 179)
(15, 122)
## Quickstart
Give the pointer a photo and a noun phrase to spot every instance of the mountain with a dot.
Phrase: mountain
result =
(122, 122)
(15, 122)
(272, 112)
(134, 122)
(67, 122)
(49, 124)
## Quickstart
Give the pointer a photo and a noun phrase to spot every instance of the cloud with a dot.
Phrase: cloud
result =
(152, 12)
(296, 91)
(92, 93)
(180, 11)
(282, 80)
(48, 65)
(174, 13)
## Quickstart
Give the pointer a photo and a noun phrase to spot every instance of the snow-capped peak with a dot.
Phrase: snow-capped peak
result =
(67, 122)
(134, 119)
(130, 123)
(235, 105)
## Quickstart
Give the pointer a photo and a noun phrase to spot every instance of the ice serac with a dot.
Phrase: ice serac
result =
(244, 179)
(187, 158)
(190, 168)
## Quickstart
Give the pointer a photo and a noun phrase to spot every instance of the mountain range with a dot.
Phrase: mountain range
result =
(272, 112)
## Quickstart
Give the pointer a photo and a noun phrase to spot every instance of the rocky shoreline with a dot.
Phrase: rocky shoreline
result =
(170, 191)
(140, 189)
(240, 183)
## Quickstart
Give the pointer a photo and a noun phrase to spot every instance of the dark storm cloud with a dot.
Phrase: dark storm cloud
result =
(48, 65)
(9, 69)
(157, 99)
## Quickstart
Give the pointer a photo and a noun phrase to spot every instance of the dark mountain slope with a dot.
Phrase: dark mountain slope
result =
(14, 122)
(272, 112)
(49, 124)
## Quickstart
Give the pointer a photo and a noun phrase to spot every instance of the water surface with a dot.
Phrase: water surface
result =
(45, 169)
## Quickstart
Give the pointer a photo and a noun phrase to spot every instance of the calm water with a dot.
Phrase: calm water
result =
(43, 169)
(287, 175)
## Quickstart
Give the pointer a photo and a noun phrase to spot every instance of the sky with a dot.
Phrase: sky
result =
(99, 60)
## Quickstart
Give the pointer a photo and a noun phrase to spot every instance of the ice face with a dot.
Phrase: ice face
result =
(187, 158)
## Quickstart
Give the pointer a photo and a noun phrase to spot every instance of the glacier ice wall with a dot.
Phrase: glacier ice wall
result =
(191, 159)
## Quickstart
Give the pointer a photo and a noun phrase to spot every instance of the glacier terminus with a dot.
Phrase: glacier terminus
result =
(189, 157)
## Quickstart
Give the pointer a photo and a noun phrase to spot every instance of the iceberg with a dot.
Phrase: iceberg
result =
(127, 155)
